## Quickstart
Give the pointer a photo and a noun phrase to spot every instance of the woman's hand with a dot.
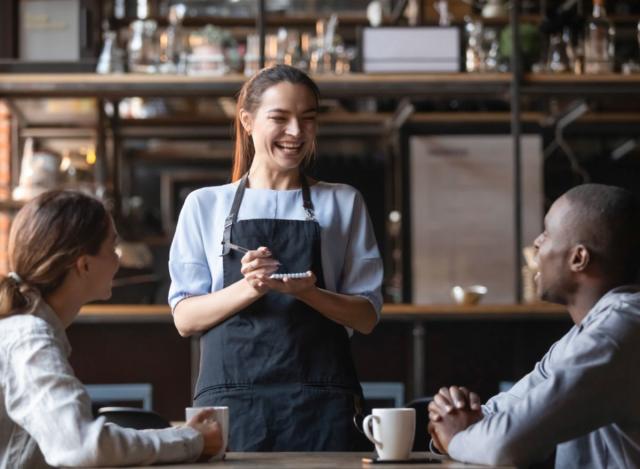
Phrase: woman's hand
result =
(210, 431)
(257, 265)
(292, 286)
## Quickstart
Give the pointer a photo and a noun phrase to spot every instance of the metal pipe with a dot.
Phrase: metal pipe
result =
(516, 77)
(418, 359)
(260, 25)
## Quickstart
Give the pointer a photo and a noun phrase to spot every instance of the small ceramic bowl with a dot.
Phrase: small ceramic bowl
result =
(468, 295)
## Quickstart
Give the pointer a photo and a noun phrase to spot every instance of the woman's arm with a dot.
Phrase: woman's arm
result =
(43, 396)
(199, 313)
(352, 311)
(202, 312)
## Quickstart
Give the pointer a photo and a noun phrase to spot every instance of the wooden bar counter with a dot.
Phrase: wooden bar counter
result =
(421, 346)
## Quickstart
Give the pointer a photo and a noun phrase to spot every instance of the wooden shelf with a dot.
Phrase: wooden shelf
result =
(155, 85)
(338, 86)
(271, 19)
(582, 85)
(162, 313)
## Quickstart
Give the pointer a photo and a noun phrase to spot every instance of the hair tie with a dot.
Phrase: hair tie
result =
(15, 277)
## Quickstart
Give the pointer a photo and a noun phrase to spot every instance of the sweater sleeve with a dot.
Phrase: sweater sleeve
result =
(43, 396)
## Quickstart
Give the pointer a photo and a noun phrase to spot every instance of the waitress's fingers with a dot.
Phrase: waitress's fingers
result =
(260, 274)
(259, 264)
(262, 251)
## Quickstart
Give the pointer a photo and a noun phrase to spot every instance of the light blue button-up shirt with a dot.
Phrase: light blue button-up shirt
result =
(351, 260)
(583, 396)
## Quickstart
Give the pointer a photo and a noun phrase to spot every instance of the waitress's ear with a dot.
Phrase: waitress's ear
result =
(246, 119)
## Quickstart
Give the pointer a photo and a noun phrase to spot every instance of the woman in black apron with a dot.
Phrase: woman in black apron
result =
(276, 350)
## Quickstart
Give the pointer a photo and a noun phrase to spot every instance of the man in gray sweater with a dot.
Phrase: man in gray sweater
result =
(582, 396)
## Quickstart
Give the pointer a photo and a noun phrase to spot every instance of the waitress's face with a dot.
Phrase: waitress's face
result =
(283, 128)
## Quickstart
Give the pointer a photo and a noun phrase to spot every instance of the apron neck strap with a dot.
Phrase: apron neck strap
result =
(233, 215)
(306, 198)
(237, 200)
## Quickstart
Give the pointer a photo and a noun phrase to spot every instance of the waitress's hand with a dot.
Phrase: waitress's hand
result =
(257, 265)
(292, 286)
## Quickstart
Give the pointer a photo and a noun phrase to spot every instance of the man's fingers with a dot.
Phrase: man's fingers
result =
(444, 393)
(434, 417)
(475, 402)
(458, 396)
(471, 398)
(435, 408)
(443, 403)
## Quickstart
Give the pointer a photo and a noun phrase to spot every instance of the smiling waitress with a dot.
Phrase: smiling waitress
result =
(276, 351)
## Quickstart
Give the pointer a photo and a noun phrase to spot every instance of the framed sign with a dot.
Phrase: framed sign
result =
(175, 186)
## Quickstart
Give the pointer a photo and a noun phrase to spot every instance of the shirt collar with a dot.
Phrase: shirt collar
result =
(40, 308)
(606, 301)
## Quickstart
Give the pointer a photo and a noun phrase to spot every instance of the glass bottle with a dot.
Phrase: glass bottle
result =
(599, 51)
(557, 57)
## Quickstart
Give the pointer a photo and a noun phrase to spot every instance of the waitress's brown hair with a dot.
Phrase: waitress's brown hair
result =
(249, 100)
(47, 236)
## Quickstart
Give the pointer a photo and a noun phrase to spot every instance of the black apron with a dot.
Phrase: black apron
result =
(284, 370)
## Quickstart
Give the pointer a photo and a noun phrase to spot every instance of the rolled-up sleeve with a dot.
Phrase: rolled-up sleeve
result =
(188, 267)
(362, 274)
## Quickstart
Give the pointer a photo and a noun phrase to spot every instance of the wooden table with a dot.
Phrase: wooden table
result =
(313, 461)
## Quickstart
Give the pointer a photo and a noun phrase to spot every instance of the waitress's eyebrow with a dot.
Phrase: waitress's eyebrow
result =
(286, 111)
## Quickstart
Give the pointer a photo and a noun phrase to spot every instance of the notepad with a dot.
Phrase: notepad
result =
(291, 275)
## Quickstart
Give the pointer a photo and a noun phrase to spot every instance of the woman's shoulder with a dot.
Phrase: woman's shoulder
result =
(341, 196)
(336, 189)
(20, 325)
(207, 196)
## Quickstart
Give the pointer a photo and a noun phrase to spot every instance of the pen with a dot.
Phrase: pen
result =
(235, 247)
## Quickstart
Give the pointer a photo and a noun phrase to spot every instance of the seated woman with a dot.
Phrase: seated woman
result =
(61, 255)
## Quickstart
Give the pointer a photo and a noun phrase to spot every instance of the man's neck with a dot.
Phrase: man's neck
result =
(584, 299)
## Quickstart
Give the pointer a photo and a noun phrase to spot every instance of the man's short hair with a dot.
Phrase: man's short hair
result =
(606, 219)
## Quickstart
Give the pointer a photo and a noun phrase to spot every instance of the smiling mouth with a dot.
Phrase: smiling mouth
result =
(290, 147)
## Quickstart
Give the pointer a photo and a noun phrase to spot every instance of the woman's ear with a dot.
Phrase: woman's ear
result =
(246, 120)
(82, 265)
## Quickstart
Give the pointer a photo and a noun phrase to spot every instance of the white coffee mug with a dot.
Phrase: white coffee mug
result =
(220, 415)
(392, 431)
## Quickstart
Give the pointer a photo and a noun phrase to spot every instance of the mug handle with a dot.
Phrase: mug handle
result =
(366, 426)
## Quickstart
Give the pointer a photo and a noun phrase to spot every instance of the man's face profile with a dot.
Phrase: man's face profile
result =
(553, 248)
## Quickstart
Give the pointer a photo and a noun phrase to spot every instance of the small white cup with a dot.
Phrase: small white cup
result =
(392, 431)
(220, 415)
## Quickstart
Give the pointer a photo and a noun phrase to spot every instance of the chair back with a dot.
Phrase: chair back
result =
(132, 417)
(421, 439)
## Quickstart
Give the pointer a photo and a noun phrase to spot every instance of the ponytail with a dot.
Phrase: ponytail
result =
(12, 294)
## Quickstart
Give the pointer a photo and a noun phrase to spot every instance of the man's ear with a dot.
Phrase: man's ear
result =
(246, 120)
(580, 258)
